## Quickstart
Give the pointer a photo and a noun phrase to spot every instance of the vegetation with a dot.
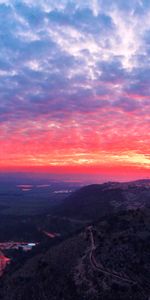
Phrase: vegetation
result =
(102, 252)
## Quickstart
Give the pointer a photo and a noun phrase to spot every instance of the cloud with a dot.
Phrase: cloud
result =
(75, 73)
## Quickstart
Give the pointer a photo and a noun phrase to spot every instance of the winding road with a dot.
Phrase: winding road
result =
(99, 267)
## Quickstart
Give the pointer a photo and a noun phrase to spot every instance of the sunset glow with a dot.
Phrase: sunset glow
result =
(75, 86)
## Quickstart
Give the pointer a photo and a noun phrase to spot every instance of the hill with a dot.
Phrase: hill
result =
(102, 253)
(107, 260)
(97, 200)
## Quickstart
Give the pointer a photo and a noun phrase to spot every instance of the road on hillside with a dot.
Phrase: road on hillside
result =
(99, 267)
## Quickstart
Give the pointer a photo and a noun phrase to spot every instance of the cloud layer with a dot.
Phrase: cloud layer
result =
(74, 82)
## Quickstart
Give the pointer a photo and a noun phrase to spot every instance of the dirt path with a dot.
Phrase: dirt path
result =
(99, 267)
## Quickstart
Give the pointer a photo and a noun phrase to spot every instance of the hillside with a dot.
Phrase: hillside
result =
(97, 200)
(102, 251)
(107, 260)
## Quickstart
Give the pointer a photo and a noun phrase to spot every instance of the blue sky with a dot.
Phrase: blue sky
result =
(74, 82)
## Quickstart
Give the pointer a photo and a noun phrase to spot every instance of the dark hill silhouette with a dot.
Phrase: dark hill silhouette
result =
(116, 267)
(94, 201)
(108, 258)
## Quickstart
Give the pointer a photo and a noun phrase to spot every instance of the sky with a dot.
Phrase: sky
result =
(75, 86)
